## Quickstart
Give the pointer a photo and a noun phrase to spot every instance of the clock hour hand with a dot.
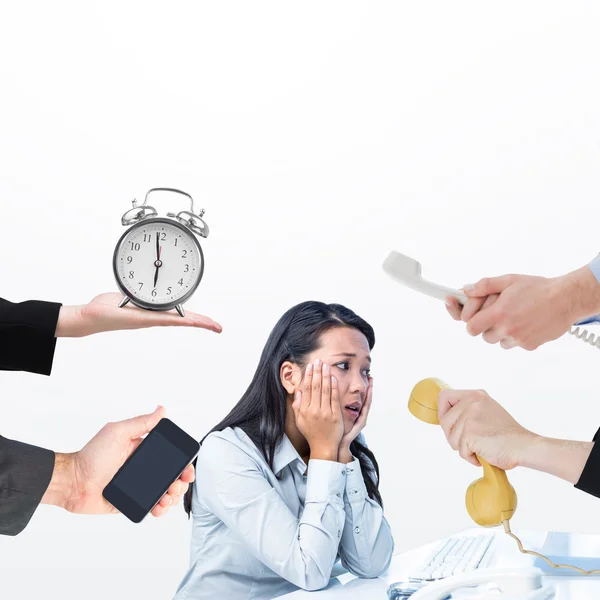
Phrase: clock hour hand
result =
(157, 263)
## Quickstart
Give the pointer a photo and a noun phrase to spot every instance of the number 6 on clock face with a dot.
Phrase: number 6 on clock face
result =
(158, 264)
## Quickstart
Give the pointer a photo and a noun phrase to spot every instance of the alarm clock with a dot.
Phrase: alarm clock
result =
(158, 262)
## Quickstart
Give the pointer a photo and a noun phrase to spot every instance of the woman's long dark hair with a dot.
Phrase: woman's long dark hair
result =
(261, 411)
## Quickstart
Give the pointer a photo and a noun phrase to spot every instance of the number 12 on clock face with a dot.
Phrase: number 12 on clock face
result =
(158, 264)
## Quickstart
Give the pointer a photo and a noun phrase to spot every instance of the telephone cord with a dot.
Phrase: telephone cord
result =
(555, 566)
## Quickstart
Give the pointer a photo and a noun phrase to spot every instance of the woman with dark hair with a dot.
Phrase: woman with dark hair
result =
(285, 484)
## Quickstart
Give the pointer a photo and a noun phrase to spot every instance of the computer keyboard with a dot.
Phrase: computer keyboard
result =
(455, 555)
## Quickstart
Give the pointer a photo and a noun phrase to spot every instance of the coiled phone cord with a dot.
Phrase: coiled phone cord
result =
(586, 336)
(554, 566)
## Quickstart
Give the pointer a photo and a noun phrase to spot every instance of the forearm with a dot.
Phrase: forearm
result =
(341, 454)
(330, 454)
(562, 458)
(69, 322)
(367, 544)
(61, 483)
(311, 547)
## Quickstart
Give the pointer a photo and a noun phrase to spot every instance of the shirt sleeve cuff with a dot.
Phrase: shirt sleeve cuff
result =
(589, 481)
(27, 473)
(29, 335)
(356, 490)
(326, 481)
(595, 267)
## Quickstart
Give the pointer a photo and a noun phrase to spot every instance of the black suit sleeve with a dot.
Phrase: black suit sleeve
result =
(589, 481)
(27, 343)
(27, 340)
(25, 472)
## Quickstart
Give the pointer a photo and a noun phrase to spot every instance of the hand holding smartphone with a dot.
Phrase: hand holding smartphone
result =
(147, 474)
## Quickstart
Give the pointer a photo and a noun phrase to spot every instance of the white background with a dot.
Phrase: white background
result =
(318, 136)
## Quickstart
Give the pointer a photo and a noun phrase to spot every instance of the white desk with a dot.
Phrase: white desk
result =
(506, 554)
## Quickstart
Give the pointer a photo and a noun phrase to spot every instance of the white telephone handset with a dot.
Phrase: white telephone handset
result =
(407, 271)
(506, 584)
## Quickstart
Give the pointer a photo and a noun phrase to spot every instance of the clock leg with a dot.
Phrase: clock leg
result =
(180, 310)
(123, 302)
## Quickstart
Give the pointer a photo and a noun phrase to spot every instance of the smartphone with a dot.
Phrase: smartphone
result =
(147, 474)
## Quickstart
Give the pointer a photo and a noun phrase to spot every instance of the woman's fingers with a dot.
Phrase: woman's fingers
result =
(326, 394)
(297, 403)
(361, 422)
(364, 412)
(335, 396)
(307, 386)
(317, 385)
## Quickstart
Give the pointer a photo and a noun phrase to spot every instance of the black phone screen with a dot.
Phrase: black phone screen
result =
(151, 470)
(147, 474)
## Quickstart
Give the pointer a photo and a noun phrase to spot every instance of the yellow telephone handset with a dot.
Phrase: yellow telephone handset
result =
(491, 500)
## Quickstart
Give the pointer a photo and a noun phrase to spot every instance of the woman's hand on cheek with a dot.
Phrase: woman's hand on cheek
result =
(344, 454)
(318, 413)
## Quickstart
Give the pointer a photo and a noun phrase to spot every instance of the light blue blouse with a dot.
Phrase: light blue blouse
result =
(259, 533)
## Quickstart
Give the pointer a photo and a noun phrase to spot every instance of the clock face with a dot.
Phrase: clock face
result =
(158, 263)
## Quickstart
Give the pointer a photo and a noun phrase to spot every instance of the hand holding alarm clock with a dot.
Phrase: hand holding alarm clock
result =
(158, 264)
(103, 314)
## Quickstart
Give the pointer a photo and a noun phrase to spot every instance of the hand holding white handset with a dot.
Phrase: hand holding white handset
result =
(508, 584)
(407, 271)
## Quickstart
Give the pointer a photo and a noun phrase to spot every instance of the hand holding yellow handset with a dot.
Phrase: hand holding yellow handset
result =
(491, 500)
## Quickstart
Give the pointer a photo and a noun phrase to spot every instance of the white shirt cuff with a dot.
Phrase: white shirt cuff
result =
(356, 490)
(326, 481)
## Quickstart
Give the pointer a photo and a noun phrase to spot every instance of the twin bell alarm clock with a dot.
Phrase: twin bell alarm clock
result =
(158, 262)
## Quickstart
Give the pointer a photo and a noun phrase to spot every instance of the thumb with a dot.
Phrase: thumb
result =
(447, 399)
(138, 426)
(487, 286)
